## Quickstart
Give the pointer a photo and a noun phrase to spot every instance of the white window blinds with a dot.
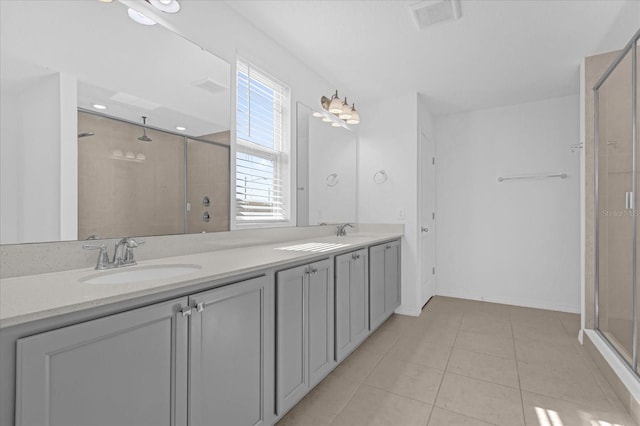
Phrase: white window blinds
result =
(261, 151)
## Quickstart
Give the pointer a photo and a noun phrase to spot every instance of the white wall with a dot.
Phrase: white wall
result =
(515, 242)
(388, 141)
(10, 127)
(39, 192)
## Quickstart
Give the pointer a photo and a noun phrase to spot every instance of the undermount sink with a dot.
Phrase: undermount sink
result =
(139, 274)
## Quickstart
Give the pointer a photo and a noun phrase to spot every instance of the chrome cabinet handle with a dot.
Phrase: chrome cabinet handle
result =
(200, 307)
(186, 311)
(424, 229)
(355, 256)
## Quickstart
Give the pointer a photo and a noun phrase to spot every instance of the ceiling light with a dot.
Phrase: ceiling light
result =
(140, 18)
(355, 116)
(345, 114)
(98, 106)
(169, 6)
(335, 107)
(182, 129)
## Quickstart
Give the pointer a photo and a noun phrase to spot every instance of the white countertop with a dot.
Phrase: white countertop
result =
(34, 297)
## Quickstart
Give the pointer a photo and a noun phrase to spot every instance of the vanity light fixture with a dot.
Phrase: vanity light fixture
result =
(140, 18)
(168, 6)
(317, 114)
(98, 106)
(338, 108)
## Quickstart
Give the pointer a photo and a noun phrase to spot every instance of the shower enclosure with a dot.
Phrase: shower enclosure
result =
(137, 180)
(617, 299)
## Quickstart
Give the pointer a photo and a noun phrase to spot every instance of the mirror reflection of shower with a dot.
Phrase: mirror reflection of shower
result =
(144, 137)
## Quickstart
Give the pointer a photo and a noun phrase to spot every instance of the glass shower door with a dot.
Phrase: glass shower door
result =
(615, 239)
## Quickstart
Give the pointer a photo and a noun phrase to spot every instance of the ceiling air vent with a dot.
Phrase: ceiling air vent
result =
(430, 12)
(209, 85)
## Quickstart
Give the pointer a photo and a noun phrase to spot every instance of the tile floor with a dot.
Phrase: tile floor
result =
(466, 363)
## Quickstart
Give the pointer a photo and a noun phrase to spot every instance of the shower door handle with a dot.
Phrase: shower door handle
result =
(629, 202)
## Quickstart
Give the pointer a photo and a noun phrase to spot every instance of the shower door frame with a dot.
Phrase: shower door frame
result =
(632, 47)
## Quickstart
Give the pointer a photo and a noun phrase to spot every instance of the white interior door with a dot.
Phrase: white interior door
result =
(427, 221)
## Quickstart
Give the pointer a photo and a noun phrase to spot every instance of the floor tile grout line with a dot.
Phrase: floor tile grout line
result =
(445, 371)
(465, 415)
(515, 353)
(360, 384)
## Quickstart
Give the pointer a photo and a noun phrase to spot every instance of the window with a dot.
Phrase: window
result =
(262, 160)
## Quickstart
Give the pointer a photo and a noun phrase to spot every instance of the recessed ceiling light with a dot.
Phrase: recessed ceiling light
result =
(170, 6)
(181, 128)
(140, 18)
(98, 106)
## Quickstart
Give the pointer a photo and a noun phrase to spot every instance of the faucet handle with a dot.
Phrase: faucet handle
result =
(129, 257)
(103, 256)
(131, 243)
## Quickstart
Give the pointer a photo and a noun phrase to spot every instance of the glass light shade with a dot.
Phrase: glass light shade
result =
(317, 114)
(335, 107)
(326, 119)
(140, 18)
(171, 6)
(334, 124)
(345, 114)
(355, 117)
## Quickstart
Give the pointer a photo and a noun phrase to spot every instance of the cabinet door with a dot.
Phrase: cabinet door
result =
(292, 380)
(320, 320)
(376, 286)
(352, 302)
(227, 354)
(391, 277)
(124, 369)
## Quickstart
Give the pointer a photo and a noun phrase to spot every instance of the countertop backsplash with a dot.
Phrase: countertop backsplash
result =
(39, 258)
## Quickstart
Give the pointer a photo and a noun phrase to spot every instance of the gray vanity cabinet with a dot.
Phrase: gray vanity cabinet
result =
(230, 334)
(352, 301)
(384, 282)
(124, 369)
(304, 330)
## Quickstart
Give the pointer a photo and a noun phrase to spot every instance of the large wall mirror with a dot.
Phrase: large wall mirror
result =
(109, 128)
(326, 171)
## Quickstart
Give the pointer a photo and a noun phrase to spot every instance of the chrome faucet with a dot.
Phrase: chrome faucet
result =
(342, 229)
(123, 254)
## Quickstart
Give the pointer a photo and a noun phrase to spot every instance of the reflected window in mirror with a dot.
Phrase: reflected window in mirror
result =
(262, 148)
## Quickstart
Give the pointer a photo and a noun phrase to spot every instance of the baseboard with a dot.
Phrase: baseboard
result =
(408, 310)
(512, 301)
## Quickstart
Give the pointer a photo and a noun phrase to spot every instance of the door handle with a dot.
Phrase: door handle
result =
(424, 229)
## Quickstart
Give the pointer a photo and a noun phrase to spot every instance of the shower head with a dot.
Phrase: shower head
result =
(85, 134)
(144, 137)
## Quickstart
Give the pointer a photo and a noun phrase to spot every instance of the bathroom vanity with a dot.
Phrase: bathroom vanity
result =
(238, 341)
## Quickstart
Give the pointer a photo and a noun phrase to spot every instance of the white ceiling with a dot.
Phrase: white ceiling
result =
(498, 53)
